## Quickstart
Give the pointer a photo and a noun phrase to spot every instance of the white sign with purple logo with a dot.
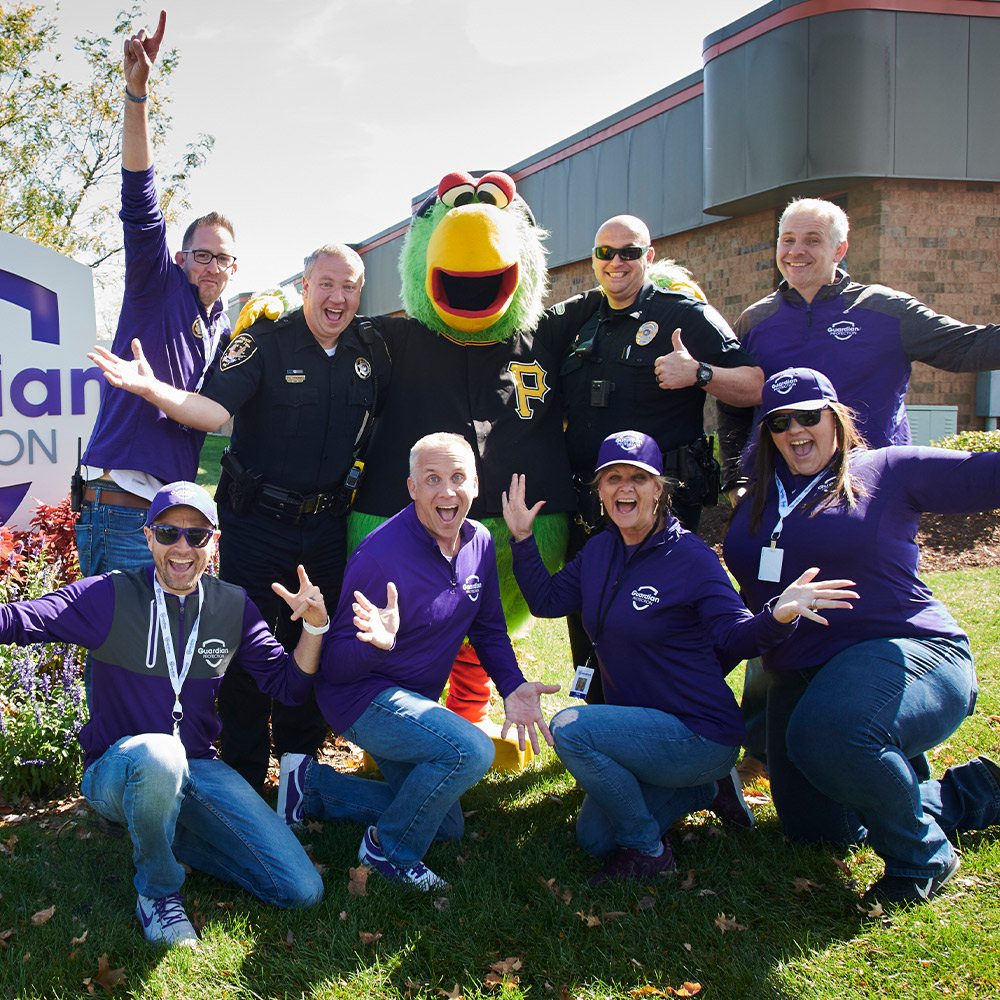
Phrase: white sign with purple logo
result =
(49, 391)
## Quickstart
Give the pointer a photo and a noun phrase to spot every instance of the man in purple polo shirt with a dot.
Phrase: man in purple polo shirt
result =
(162, 638)
(383, 670)
(173, 305)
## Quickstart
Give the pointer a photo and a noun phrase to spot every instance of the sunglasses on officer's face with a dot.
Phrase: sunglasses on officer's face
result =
(167, 534)
(778, 423)
(625, 253)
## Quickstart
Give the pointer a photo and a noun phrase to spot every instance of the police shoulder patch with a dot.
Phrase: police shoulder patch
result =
(241, 349)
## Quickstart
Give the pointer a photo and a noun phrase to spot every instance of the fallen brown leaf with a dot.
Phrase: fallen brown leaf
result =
(43, 916)
(588, 918)
(80, 939)
(454, 994)
(106, 976)
(319, 866)
(5, 936)
(369, 938)
(725, 923)
(343, 914)
(314, 826)
(840, 864)
(7, 846)
(646, 903)
(688, 883)
(550, 883)
(688, 990)
(555, 798)
(358, 886)
(507, 966)
(441, 903)
(804, 885)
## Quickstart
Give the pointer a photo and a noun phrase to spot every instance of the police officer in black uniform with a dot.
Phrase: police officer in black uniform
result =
(304, 391)
(642, 341)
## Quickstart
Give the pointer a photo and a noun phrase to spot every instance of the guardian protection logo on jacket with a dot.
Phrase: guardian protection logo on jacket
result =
(472, 586)
(843, 329)
(644, 597)
(213, 652)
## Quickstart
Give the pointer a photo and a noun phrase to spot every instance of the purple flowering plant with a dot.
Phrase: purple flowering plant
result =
(42, 704)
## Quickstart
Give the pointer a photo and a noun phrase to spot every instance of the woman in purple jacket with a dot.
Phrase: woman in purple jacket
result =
(849, 705)
(666, 626)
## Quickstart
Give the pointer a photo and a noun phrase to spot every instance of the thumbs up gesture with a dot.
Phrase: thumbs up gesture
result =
(677, 369)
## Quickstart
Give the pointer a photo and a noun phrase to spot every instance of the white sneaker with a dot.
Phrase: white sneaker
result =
(292, 788)
(419, 875)
(165, 922)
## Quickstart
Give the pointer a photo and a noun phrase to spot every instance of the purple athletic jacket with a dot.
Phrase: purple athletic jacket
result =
(114, 616)
(441, 601)
(872, 544)
(162, 309)
(654, 614)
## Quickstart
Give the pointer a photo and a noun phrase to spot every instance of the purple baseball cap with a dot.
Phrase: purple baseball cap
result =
(797, 388)
(630, 448)
(183, 494)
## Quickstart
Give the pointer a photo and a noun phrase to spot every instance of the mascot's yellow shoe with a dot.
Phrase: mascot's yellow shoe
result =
(508, 755)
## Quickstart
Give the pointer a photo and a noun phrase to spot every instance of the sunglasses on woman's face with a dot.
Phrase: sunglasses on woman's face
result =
(778, 423)
(167, 534)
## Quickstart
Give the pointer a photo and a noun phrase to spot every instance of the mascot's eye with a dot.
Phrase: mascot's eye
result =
(457, 189)
(495, 189)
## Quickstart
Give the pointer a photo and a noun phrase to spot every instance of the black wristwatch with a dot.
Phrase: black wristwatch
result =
(704, 375)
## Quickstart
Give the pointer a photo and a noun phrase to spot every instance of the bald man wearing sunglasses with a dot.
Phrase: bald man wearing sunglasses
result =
(647, 360)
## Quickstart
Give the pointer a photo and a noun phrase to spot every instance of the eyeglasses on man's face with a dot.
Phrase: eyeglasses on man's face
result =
(224, 260)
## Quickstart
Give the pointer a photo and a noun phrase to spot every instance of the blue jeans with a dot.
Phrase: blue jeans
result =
(429, 756)
(839, 739)
(642, 769)
(109, 537)
(199, 812)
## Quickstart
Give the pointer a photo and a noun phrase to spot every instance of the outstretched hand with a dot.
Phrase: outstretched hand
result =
(141, 51)
(678, 369)
(307, 603)
(516, 513)
(523, 708)
(134, 376)
(377, 625)
(804, 596)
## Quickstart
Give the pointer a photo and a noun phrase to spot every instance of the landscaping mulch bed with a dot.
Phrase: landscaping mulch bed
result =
(947, 541)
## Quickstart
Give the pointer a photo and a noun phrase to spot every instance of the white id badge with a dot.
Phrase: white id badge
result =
(770, 564)
(581, 682)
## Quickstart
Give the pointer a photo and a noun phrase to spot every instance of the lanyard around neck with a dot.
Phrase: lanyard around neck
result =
(785, 507)
(177, 678)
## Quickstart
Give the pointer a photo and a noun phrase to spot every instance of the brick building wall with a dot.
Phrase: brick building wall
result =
(937, 240)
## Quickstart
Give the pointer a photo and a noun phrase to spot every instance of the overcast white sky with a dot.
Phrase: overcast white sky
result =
(330, 116)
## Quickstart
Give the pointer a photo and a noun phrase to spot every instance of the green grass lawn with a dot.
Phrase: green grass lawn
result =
(208, 466)
(747, 916)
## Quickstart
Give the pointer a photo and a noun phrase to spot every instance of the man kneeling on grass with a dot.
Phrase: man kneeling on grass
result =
(161, 638)
(383, 670)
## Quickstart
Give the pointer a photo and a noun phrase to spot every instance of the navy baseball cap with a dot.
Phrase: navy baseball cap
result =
(630, 448)
(797, 388)
(183, 494)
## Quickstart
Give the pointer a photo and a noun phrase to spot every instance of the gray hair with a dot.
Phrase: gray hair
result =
(341, 250)
(826, 210)
(439, 439)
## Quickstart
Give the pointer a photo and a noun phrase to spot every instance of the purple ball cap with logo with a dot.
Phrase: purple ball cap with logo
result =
(797, 389)
(630, 448)
(183, 494)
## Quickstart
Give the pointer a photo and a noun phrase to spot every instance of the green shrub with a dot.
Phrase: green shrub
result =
(970, 441)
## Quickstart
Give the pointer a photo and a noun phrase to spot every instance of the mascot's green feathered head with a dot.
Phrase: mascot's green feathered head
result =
(473, 263)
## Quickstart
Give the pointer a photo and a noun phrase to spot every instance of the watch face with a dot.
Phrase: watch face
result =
(704, 375)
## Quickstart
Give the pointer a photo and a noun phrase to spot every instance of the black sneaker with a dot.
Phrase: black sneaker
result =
(626, 862)
(729, 804)
(901, 890)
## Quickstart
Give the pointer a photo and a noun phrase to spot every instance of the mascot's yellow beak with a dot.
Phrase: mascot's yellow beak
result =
(472, 267)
